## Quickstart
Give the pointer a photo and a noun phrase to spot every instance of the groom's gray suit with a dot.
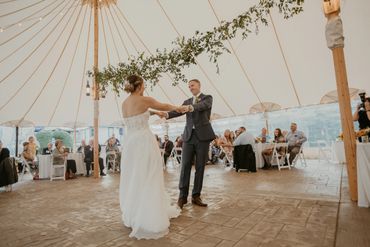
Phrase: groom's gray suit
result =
(197, 135)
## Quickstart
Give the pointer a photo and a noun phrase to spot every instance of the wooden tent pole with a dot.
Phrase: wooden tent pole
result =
(96, 90)
(335, 40)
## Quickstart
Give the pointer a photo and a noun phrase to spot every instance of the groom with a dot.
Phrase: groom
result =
(197, 136)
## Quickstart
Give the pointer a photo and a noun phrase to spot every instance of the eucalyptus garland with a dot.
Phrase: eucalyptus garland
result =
(185, 50)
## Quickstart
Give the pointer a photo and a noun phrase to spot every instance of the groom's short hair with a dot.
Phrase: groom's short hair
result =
(196, 80)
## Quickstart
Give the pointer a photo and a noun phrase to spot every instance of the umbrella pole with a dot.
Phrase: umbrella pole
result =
(96, 90)
(16, 140)
(334, 36)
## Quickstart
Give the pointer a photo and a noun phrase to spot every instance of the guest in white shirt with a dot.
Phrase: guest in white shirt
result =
(244, 138)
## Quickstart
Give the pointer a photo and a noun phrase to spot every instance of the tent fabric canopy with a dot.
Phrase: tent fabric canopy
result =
(46, 49)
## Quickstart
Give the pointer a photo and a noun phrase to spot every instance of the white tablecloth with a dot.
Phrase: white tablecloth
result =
(338, 155)
(80, 165)
(258, 148)
(363, 174)
(45, 161)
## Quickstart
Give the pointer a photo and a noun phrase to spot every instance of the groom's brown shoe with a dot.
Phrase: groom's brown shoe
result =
(198, 201)
(182, 201)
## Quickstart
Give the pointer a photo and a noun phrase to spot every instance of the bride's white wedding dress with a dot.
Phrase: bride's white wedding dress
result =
(145, 204)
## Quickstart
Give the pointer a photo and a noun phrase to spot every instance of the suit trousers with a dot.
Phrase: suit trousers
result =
(89, 166)
(190, 149)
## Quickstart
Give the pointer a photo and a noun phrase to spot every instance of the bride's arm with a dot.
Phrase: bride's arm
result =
(156, 105)
(158, 113)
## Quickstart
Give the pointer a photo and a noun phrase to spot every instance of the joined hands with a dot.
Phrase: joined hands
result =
(183, 109)
(179, 109)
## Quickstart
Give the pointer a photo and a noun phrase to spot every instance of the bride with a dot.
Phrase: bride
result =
(145, 204)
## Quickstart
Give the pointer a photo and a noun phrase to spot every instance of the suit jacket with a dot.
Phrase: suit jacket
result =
(168, 146)
(199, 119)
(8, 172)
(244, 157)
(89, 153)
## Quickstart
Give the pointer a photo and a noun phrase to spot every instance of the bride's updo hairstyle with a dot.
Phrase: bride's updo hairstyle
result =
(133, 82)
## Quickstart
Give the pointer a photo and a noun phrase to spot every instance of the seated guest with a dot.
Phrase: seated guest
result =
(3, 152)
(244, 138)
(32, 146)
(267, 153)
(89, 158)
(226, 142)
(60, 156)
(362, 115)
(167, 146)
(232, 135)
(48, 149)
(114, 140)
(244, 156)
(215, 150)
(30, 159)
(295, 139)
(264, 137)
(178, 142)
(8, 170)
(27, 153)
(110, 149)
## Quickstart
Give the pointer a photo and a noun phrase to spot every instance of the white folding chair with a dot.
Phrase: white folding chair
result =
(176, 155)
(25, 166)
(112, 156)
(227, 158)
(300, 156)
(279, 158)
(53, 168)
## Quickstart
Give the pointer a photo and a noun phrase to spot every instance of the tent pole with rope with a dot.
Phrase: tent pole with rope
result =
(335, 42)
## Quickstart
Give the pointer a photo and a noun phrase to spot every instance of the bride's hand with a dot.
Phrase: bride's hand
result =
(161, 114)
(182, 109)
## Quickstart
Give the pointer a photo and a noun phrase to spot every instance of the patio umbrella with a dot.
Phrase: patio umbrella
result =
(17, 123)
(264, 108)
(332, 96)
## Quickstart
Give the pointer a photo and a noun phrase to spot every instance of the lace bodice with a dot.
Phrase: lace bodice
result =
(137, 122)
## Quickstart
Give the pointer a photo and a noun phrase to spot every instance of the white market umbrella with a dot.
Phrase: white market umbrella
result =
(332, 96)
(21, 123)
(264, 108)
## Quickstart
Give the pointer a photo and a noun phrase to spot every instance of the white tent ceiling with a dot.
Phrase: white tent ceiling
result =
(36, 84)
